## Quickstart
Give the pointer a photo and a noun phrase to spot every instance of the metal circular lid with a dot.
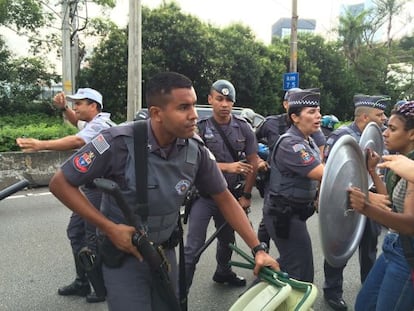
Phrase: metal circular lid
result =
(340, 226)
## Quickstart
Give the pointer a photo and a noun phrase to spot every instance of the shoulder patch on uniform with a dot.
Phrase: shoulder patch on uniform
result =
(83, 162)
(306, 157)
(100, 144)
(298, 147)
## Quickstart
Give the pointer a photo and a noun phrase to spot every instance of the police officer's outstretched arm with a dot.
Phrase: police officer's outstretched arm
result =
(61, 144)
(69, 195)
(237, 218)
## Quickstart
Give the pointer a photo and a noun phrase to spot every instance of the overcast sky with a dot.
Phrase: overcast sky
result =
(259, 15)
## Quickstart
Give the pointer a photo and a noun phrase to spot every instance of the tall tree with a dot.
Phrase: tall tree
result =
(386, 12)
(351, 33)
(335, 78)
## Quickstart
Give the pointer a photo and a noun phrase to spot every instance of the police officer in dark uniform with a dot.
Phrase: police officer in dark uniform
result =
(88, 107)
(243, 143)
(176, 160)
(269, 132)
(367, 109)
(296, 170)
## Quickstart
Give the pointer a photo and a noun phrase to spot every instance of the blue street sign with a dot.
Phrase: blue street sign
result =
(290, 80)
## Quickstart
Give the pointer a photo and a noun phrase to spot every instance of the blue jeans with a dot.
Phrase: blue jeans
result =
(389, 285)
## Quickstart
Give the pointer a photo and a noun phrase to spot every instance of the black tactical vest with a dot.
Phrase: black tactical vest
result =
(168, 182)
(293, 187)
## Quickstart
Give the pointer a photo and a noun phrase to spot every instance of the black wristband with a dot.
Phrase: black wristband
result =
(261, 247)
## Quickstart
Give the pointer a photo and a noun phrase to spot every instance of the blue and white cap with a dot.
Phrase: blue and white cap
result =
(225, 88)
(375, 101)
(304, 98)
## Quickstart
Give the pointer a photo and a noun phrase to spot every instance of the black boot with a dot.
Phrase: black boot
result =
(80, 286)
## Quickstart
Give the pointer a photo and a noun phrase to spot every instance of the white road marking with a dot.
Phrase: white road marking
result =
(19, 196)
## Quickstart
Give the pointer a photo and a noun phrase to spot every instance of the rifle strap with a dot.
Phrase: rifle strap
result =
(225, 139)
(141, 169)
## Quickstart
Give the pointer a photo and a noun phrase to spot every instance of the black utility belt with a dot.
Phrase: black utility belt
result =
(282, 206)
(294, 204)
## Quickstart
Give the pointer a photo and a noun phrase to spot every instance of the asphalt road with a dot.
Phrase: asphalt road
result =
(35, 259)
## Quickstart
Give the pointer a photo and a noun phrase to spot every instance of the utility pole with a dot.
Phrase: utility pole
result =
(294, 38)
(66, 48)
(74, 47)
(134, 97)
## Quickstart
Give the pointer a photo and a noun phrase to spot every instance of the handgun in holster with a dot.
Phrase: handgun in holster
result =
(92, 265)
(191, 196)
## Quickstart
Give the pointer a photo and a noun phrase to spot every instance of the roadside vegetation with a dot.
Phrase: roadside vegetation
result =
(39, 126)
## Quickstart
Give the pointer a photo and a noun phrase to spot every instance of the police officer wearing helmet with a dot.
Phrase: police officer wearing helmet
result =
(177, 159)
(235, 164)
(296, 170)
(328, 123)
(87, 107)
(367, 109)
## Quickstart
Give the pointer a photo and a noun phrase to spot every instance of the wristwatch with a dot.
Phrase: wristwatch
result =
(247, 195)
(261, 247)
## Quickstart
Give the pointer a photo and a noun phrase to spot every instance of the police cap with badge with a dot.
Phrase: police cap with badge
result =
(225, 88)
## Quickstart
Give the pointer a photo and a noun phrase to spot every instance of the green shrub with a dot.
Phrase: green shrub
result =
(34, 126)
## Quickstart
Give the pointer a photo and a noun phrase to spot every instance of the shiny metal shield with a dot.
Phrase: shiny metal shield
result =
(371, 138)
(340, 226)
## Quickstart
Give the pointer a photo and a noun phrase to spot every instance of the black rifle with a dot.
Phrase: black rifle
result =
(13, 188)
(154, 256)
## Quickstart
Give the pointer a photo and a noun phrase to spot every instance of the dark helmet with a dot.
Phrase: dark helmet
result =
(329, 121)
(225, 88)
